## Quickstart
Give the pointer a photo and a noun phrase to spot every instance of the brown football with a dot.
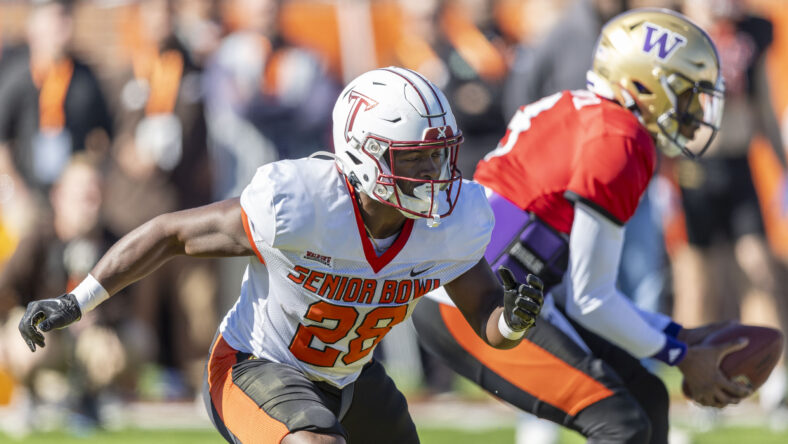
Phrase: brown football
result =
(752, 364)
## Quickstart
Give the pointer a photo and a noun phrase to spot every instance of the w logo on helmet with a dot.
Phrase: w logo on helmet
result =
(663, 41)
(357, 100)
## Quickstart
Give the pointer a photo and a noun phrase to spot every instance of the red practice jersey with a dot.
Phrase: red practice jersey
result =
(567, 147)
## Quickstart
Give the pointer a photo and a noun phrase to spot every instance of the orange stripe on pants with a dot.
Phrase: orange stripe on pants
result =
(529, 368)
(240, 414)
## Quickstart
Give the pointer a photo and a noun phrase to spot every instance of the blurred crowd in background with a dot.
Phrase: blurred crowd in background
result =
(114, 111)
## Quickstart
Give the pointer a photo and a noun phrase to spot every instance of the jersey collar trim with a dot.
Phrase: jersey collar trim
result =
(378, 262)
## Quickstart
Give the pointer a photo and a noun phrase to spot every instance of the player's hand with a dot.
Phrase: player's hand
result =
(521, 302)
(706, 383)
(694, 336)
(45, 315)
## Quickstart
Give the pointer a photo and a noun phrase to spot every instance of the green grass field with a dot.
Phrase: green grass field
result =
(478, 417)
(725, 435)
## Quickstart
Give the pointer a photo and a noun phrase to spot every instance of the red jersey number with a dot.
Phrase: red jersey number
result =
(336, 323)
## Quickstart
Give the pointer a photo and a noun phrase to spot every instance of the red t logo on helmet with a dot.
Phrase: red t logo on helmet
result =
(357, 100)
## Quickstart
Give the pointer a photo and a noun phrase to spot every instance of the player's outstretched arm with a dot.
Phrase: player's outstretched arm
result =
(214, 230)
(499, 314)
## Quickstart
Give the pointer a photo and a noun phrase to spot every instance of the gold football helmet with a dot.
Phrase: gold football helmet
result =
(666, 70)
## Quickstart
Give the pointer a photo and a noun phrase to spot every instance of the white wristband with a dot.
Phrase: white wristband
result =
(89, 293)
(507, 332)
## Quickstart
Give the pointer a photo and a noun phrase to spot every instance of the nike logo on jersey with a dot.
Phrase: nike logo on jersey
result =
(414, 273)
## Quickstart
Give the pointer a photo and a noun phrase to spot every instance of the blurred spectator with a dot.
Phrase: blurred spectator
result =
(56, 256)
(457, 44)
(723, 215)
(17, 207)
(558, 57)
(160, 164)
(557, 49)
(266, 99)
(197, 28)
(475, 53)
(161, 105)
(51, 103)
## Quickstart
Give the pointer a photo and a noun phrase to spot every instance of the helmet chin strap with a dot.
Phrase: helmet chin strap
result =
(420, 203)
(668, 146)
(601, 87)
(631, 105)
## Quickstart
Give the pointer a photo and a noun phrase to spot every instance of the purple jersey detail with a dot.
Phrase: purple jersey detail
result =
(509, 221)
(525, 244)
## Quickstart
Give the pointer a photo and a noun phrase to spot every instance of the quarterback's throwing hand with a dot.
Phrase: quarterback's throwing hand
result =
(47, 314)
(521, 302)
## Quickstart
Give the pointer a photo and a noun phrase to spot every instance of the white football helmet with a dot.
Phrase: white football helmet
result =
(396, 109)
(665, 69)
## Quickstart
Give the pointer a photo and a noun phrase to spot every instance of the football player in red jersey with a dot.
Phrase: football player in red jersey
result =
(563, 181)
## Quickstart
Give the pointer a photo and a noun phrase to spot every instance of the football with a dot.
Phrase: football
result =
(752, 364)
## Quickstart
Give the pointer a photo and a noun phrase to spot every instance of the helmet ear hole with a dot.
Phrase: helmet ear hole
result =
(355, 159)
(642, 89)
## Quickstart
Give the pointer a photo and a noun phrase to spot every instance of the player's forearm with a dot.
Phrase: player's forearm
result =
(482, 315)
(593, 300)
(478, 296)
(136, 255)
(213, 230)
(493, 333)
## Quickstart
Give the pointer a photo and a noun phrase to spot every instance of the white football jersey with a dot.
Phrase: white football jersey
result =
(317, 296)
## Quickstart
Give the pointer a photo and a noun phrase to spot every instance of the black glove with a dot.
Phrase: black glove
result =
(47, 314)
(521, 303)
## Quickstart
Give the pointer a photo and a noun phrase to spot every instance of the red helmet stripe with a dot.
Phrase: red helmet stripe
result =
(421, 96)
(435, 94)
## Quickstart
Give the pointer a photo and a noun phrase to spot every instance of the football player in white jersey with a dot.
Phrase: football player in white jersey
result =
(340, 251)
